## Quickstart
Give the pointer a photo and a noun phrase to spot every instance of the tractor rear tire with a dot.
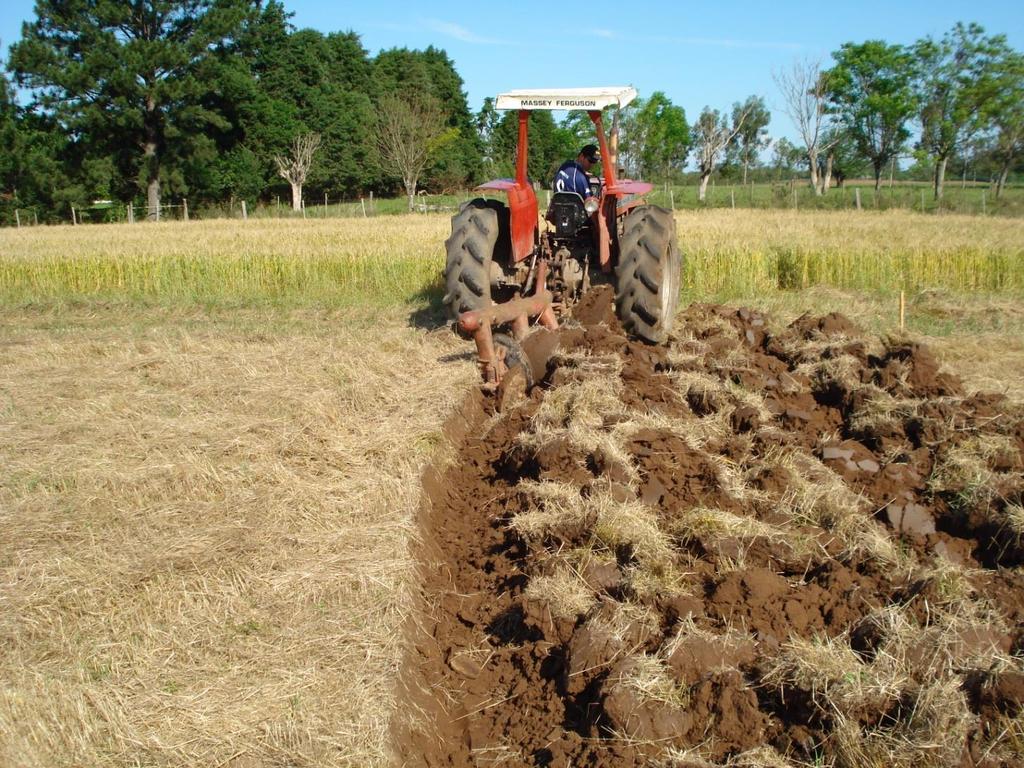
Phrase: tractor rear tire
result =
(648, 274)
(476, 231)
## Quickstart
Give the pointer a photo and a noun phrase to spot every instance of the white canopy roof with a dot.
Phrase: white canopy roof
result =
(567, 98)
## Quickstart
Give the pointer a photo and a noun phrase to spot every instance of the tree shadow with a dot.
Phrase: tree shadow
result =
(429, 313)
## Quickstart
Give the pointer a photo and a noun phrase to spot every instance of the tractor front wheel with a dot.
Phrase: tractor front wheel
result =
(648, 274)
(470, 254)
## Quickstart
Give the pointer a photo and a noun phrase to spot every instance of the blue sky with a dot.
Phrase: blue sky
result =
(711, 53)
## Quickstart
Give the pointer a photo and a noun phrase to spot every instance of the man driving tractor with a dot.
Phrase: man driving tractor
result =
(504, 277)
(572, 175)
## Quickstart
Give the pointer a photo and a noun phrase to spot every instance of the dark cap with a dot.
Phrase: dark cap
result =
(591, 152)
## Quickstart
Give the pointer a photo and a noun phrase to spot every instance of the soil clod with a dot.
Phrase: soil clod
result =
(788, 545)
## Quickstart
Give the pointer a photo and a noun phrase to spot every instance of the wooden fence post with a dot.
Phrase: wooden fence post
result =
(245, 213)
(131, 214)
(362, 202)
(302, 205)
(857, 194)
(372, 209)
(672, 198)
(184, 208)
(732, 196)
(903, 309)
(17, 218)
(35, 218)
(74, 217)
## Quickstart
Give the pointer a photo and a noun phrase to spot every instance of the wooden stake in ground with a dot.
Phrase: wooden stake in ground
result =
(857, 191)
(362, 202)
(245, 213)
(131, 213)
(74, 218)
(17, 218)
(184, 208)
(903, 310)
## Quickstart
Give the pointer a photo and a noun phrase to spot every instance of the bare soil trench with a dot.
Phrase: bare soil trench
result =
(756, 546)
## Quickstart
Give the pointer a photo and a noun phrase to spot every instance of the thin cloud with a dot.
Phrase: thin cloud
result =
(727, 42)
(460, 32)
(605, 33)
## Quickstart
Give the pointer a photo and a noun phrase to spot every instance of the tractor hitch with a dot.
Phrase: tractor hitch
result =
(495, 360)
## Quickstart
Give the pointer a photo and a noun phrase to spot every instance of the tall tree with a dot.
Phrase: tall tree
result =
(805, 96)
(410, 133)
(655, 137)
(281, 83)
(577, 123)
(785, 157)
(128, 75)
(9, 140)
(842, 159)
(431, 73)
(486, 122)
(254, 98)
(957, 88)
(870, 87)
(550, 145)
(753, 133)
(712, 134)
(1008, 142)
(632, 140)
(294, 167)
(665, 135)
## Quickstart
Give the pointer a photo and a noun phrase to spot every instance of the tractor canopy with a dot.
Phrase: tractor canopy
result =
(567, 98)
(522, 201)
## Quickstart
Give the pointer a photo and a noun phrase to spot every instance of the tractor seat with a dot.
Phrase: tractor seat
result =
(567, 213)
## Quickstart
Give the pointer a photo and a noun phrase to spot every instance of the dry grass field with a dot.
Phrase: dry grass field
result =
(331, 262)
(203, 533)
(211, 436)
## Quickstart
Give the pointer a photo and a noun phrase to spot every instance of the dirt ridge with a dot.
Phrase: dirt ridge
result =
(754, 546)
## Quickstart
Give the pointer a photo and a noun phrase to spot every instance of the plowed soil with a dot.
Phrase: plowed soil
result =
(753, 546)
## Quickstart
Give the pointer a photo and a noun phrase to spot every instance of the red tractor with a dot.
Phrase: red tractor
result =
(502, 271)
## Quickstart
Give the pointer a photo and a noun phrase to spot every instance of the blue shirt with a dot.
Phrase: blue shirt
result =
(572, 178)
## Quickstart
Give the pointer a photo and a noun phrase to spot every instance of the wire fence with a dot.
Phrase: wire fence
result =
(968, 199)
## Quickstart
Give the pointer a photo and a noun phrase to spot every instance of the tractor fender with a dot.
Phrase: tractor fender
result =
(522, 204)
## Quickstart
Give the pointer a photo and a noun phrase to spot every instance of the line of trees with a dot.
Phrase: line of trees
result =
(221, 99)
(960, 96)
(212, 100)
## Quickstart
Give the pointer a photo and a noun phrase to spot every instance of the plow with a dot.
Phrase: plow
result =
(509, 284)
